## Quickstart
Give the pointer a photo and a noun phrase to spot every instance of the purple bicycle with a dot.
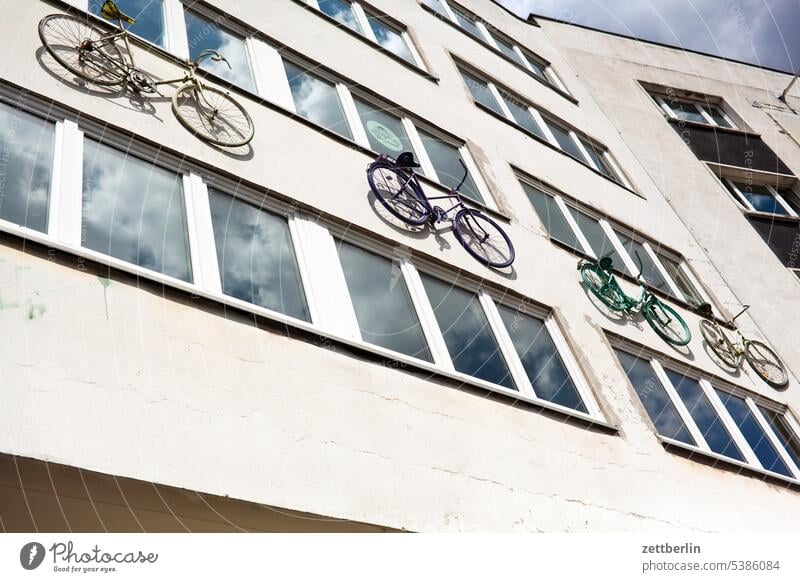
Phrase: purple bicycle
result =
(396, 184)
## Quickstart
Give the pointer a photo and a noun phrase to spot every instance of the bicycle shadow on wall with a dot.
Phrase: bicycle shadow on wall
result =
(396, 196)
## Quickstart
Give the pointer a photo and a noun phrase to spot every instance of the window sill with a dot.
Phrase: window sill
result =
(416, 68)
(499, 53)
(735, 131)
(312, 332)
(727, 463)
(546, 143)
(773, 217)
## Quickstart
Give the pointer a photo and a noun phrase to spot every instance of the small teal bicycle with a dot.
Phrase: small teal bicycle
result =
(600, 280)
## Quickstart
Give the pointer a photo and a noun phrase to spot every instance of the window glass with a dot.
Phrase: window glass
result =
(390, 38)
(716, 115)
(385, 131)
(551, 216)
(702, 412)
(686, 111)
(256, 258)
(659, 407)
(599, 158)
(25, 168)
(316, 100)
(761, 198)
(467, 23)
(753, 433)
(540, 358)
(522, 115)
(342, 11)
(538, 68)
(507, 49)
(470, 342)
(204, 34)
(789, 440)
(481, 93)
(134, 210)
(680, 278)
(437, 6)
(594, 233)
(444, 158)
(650, 271)
(565, 141)
(149, 15)
(381, 301)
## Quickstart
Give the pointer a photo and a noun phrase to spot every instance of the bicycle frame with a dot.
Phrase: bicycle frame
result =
(632, 304)
(738, 343)
(426, 200)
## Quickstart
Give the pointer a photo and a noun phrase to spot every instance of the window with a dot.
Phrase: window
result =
(762, 198)
(342, 11)
(391, 38)
(316, 100)
(507, 49)
(445, 160)
(522, 115)
(436, 6)
(26, 158)
(467, 22)
(693, 411)
(598, 238)
(540, 359)
(470, 341)
(256, 258)
(599, 158)
(383, 307)
(481, 92)
(695, 112)
(204, 34)
(149, 14)
(134, 211)
(539, 69)
(564, 140)
(385, 131)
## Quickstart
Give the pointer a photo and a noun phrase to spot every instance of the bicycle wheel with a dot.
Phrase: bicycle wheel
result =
(213, 116)
(83, 49)
(719, 344)
(595, 280)
(765, 363)
(666, 322)
(399, 193)
(483, 238)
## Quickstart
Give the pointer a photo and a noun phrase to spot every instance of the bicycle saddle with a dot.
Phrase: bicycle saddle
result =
(406, 160)
(705, 310)
(605, 263)
(111, 11)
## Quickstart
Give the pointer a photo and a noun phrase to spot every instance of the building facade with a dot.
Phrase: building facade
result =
(210, 338)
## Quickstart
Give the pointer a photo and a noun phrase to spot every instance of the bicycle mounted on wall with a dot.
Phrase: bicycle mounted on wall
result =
(395, 183)
(600, 280)
(91, 52)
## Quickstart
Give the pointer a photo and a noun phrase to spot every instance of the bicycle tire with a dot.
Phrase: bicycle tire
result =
(772, 361)
(109, 69)
(594, 279)
(719, 344)
(406, 203)
(492, 247)
(677, 335)
(221, 128)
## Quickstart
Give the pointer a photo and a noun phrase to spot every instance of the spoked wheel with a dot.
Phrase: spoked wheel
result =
(483, 238)
(213, 116)
(84, 49)
(666, 322)
(719, 344)
(399, 193)
(766, 363)
(595, 280)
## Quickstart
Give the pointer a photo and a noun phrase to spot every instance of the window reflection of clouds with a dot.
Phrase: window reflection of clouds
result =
(541, 360)
(149, 15)
(316, 100)
(204, 34)
(26, 155)
(472, 346)
(341, 11)
(134, 211)
(256, 257)
(444, 158)
(382, 304)
(390, 39)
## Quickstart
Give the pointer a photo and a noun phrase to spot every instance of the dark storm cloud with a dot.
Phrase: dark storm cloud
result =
(762, 32)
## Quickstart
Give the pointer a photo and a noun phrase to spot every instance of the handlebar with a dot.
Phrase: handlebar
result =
(213, 55)
(464, 179)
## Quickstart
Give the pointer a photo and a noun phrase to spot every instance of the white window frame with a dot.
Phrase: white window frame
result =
(743, 201)
(751, 460)
(709, 120)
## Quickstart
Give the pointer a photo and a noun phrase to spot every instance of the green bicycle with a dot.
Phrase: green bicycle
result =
(600, 280)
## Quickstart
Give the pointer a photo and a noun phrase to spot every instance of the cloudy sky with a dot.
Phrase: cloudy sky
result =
(764, 32)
